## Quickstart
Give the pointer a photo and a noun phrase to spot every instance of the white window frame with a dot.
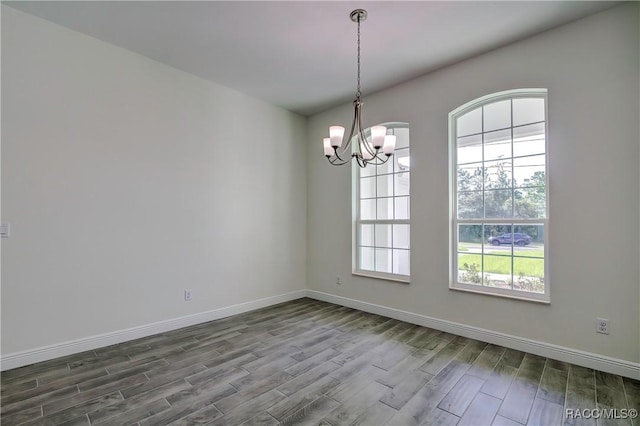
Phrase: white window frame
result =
(454, 284)
(356, 221)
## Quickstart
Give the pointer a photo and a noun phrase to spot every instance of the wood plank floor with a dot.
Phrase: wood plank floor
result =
(309, 362)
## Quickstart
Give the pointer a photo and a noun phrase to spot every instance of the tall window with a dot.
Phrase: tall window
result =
(381, 211)
(498, 187)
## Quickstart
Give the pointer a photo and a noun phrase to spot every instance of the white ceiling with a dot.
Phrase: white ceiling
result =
(302, 55)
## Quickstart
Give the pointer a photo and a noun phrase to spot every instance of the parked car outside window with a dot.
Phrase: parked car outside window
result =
(518, 239)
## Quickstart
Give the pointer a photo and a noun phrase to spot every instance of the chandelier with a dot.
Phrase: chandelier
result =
(375, 151)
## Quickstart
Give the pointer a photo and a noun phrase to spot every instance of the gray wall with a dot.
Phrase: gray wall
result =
(591, 70)
(126, 181)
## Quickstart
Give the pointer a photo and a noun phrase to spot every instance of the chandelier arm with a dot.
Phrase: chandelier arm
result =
(337, 161)
(354, 123)
(366, 145)
(362, 141)
(385, 158)
(363, 144)
(379, 160)
(337, 156)
(343, 151)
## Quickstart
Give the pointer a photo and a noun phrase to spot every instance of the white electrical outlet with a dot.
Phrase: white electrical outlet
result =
(602, 325)
(188, 295)
(338, 282)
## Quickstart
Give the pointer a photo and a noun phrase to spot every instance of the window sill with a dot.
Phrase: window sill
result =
(403, 279)
(542, 298)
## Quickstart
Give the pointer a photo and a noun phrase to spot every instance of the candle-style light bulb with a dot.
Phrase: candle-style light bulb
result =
(328, 149)
(377, 136)
(389, 144)
(336, 133)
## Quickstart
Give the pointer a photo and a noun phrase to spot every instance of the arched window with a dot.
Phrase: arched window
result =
(382, 211)
(498, 195)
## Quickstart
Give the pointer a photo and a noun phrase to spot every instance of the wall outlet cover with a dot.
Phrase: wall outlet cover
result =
(602, 325)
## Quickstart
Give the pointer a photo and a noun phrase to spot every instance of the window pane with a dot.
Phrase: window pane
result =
(366, 235)
(469, 123)
(469, 149)
(367, 171)
(529, 140)
(385, 168)
(470, 177)
(470, 238)
(401, 183)
(385, 208)
(470, 205)
(368, 187)
(498, 203)
(367, 209)
(367, 258)
(529, 171)
(383, 260)
(534, 234)
(497, 115)
(401, 160)
(497, 239)
(528, 274)
(530, 203)
(401, 207)
(401, 262)
(401, 236)
(527, 110)
(385, 185)
(497, 271)
(497, 145)
(383, 236)
(498, 174)
(470, 268)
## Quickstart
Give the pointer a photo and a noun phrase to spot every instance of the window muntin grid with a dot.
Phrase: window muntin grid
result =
(382, 210)
(498, 167)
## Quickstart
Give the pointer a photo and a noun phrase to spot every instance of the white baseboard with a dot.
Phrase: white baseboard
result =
(574, 356)
(561, 353)
(19, 359)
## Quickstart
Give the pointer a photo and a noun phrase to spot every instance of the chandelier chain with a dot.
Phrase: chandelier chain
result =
(358, 93)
